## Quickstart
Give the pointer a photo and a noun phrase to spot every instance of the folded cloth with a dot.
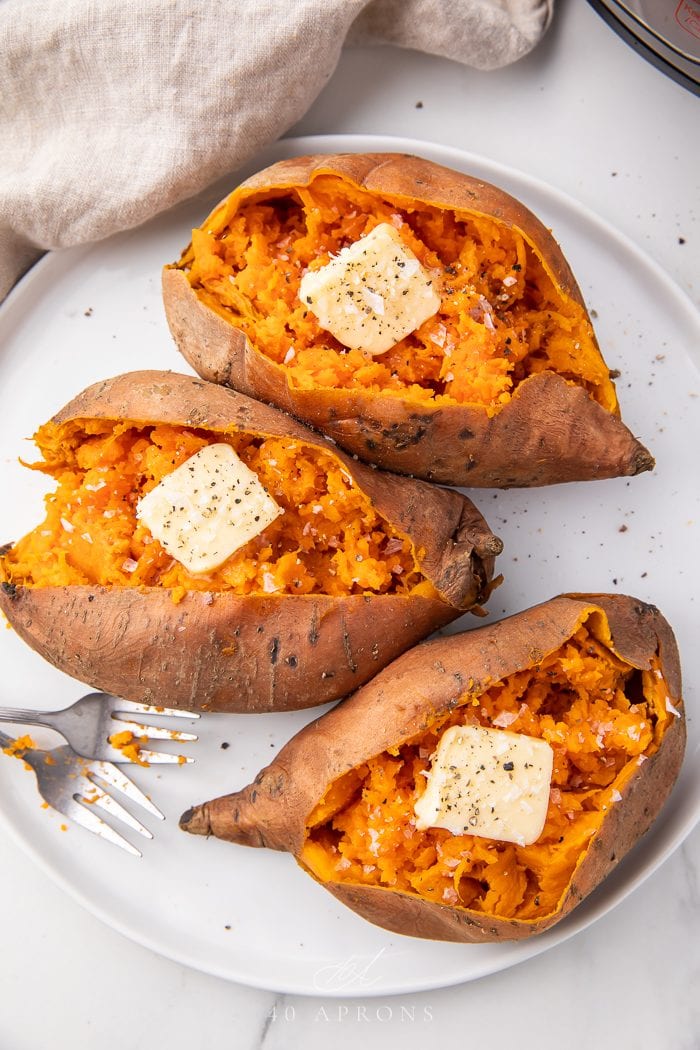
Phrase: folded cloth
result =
(113, 110)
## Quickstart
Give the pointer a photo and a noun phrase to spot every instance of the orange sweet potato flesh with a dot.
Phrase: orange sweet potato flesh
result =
(505, 386)
(597, 676)
(290, 620)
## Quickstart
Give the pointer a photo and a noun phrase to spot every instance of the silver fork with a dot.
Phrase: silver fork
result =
(88, 724)
(69, 783)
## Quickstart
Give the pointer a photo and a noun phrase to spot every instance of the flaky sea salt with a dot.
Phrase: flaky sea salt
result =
(439, 335)
(505, 719)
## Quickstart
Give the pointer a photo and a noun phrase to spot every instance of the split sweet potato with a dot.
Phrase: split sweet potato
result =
(595, 676)
(288, 621)
(504, 386)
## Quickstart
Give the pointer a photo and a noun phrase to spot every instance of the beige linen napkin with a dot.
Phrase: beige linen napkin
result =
(113, 110)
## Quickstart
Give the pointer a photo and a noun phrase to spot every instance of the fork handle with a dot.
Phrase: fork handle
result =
(26, 716)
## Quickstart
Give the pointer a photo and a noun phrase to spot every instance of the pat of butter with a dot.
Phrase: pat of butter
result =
(488, 782)
(207, 508)
(372, 294)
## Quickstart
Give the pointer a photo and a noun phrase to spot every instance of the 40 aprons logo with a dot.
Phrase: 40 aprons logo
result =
(339, 1013)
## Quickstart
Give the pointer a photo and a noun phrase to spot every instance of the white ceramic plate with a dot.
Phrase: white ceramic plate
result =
(251, 915)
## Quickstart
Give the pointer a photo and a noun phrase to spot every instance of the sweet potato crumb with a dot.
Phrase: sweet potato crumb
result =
(130, 746)
(20, 746)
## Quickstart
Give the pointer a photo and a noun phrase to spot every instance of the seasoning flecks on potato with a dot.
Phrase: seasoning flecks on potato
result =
(486, 782)
(372, 294)
(207, 508)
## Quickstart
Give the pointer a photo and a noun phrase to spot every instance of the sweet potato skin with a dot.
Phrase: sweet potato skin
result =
(218, 651)
(558, 432)
(426, 683)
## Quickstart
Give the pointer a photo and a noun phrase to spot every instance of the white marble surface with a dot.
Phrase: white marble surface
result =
(584, 113)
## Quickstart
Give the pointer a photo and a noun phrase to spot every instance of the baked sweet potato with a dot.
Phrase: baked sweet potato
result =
(504, 386)
(288, 621)
(595, 676)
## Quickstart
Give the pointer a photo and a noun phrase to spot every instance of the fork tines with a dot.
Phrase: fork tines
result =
(73, 786)
(153, 732)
